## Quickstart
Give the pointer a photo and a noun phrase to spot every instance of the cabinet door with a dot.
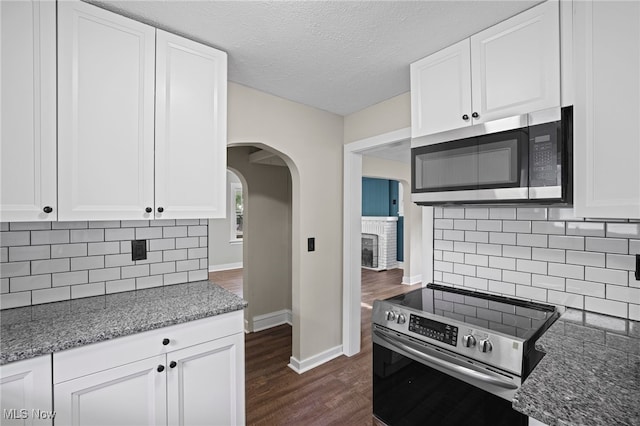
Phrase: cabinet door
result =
(607, 107)
(28, 145)
(441, 91)
(25, 392)
(206, 386)
(515, 65)
(191, 136)
(105, 114)
(132, 394)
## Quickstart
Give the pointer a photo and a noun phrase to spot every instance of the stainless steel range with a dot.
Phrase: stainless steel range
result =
(450, 356)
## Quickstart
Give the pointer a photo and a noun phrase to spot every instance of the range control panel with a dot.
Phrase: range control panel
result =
(433, 329)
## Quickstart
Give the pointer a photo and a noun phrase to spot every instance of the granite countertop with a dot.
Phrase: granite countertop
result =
(43, 329)
(590, 374)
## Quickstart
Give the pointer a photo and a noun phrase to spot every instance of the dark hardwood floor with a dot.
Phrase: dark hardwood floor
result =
(336, 393)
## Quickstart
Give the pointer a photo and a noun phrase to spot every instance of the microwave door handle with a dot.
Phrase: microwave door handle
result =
(473, 374)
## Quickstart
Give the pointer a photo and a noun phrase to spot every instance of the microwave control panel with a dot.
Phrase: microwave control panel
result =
(544, 167)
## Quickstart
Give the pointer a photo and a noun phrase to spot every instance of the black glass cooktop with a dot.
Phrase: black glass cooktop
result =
(511, 316)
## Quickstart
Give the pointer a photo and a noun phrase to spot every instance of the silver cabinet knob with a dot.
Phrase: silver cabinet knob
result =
(468, 341)
(485, 345)
(401, 319)
(391, 316)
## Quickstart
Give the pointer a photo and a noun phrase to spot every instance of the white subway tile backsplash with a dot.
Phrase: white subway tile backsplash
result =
(489, 249)
(502, 238)
(632, 280)
(516, 226)
(517, 277)
(532, 240)
(31, 282)
(477, 283)
(623, 294)
(634, 246)
(586, 288)
(464, 224)
(476, 259)
(548, 228)
(502, 263)
(634, 312)
(15, 300)
(87, 290)
(621, 261)
(148, 233)
(489, 225)
(533, 266)
(462, 269)
(452, 256)
(608, 307)
(489, 273)
(89, 262)
(623, 230)
(476, 213)
(45, 262)
(562, 213)
(452, 235)
(437, 234)
(548, 282)
(611, 276)
(587, 229)
(443, 266)
(119, 234)
(112, 247)
(453, 213)
(15, 269)
(562, 298)
(531, 213)
(504, 213)
(48, 295)
(586, 258)
(502, 287)
(437, 212)
(68, 250)
(607, 245)
(533, 293)
(517, 252)
(29, 226)
(566, 242)
(70, 278)
(566, 271)
(49, 266)
(443, 245)
(443, 223)
(548, 255)
(437, 255)
(49, 237)
(464, 247)
(16, 254)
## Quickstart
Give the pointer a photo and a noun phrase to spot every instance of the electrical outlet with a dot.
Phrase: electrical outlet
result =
(138, 249)
(637, 267)
(311, 244)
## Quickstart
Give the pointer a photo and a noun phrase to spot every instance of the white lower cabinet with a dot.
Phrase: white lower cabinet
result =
(25, 392)
(195, 377)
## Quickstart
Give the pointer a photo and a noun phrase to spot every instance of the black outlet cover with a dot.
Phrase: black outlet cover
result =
(138, 249)
(311, 244)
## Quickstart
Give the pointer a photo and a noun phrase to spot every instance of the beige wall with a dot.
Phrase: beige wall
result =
(223, 253)
(384, 117)
(267, 226)
(311, 142)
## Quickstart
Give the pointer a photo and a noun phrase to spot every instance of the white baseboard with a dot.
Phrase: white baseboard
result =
(412, 280)
(225, 266)
(314, 361)
(272, 319)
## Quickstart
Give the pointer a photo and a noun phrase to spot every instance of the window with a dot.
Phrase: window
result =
(237, 212)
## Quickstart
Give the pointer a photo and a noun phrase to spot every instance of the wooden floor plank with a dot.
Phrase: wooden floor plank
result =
(338, 392)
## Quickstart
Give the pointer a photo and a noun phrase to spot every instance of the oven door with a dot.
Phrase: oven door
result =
(415, 384)
(479, 169)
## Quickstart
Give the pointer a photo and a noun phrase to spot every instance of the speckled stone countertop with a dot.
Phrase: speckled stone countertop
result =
(590, 374)
(43, 329)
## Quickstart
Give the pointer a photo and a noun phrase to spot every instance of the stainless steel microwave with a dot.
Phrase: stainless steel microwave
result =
(522, 159)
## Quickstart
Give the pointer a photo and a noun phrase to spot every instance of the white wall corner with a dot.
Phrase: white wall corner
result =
(416, 279)
(314, 361)
(272, 319)
(225, 266)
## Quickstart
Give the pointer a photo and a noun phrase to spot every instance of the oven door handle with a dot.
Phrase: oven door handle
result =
(473, 374)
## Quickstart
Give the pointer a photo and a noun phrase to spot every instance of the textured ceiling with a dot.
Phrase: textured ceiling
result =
(339, 56)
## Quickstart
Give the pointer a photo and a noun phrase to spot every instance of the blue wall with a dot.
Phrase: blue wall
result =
(380, 198)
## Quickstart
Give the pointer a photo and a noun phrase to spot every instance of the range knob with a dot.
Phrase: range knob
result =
(391, 316)
(468, 341)
(401, 319)
(485, 345)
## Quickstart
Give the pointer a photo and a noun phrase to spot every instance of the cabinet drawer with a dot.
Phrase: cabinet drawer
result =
(78, 362)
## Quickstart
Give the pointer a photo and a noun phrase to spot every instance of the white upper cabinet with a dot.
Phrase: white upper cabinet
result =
(441, 90)
(191, 129)
(512, 68)
(28, 145)
(105, 114)
(607, 109)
